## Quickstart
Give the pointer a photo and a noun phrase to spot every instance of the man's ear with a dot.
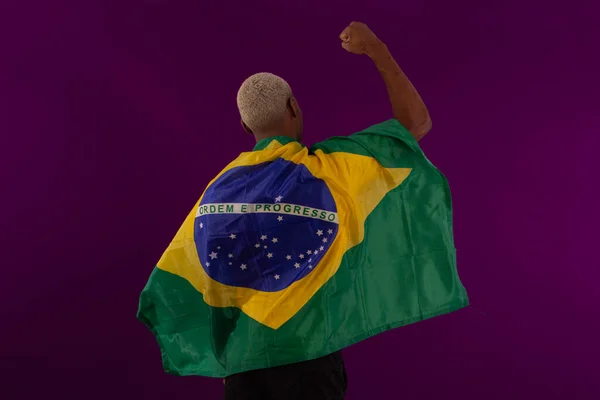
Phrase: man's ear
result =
(246, 128)
(293, 105)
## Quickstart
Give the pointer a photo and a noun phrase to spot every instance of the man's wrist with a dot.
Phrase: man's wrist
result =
(377, 51)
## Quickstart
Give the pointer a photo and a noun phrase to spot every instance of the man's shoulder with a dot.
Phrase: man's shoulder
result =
(382, 136)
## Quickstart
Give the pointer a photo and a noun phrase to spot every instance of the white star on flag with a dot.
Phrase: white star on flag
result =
(319, 232)
(324, 240)
(201, 225)
(208, 264)
(230, 255)
(297, 265)
(301, 256)
(243, 266)
(309, 252)
(280, 218)
(265, 246)
(330, 231)
(218, 247)
(270, 255)
(288, 257)
(232, 236)
(276, 276)
(310, 260)
(310, 267)
(257, 245)
(213, 255)
(263, 237)
(321, 248)
(275, 240)
(278, 199)
(230, 263)
(316, 252)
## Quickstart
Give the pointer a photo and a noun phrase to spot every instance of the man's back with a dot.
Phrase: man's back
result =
(307, 252)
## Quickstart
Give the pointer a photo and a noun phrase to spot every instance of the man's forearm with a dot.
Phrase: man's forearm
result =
(407, 105)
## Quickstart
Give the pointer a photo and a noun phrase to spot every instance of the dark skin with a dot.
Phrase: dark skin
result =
(291, 125)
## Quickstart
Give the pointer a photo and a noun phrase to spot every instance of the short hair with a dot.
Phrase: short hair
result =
(262, 100)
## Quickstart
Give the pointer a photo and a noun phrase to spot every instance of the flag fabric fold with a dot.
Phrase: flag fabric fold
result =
(293, 253)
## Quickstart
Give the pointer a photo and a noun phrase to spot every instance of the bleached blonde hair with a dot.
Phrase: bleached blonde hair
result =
(262, 100)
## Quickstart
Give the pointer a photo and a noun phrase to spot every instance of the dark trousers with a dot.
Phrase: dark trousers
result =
(320, 379)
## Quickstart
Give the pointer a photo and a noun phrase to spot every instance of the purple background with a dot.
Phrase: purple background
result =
(115, 114)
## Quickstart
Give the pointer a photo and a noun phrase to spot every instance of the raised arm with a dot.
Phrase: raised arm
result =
(407, 105)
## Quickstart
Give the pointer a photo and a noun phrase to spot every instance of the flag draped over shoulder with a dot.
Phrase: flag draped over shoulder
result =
(294, 253)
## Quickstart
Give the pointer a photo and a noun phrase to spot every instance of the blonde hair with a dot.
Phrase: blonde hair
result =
(262, 100)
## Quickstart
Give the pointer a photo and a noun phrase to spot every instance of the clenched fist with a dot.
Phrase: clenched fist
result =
(357, 38)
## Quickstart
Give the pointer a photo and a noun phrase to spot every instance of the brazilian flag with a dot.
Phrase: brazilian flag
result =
(293, 253)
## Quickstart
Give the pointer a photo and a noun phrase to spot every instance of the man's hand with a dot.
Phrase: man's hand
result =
(357, 38)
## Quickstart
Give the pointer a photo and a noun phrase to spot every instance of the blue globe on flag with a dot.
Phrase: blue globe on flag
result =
(265, 226)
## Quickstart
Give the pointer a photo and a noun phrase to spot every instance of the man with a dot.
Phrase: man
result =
(293, 254)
